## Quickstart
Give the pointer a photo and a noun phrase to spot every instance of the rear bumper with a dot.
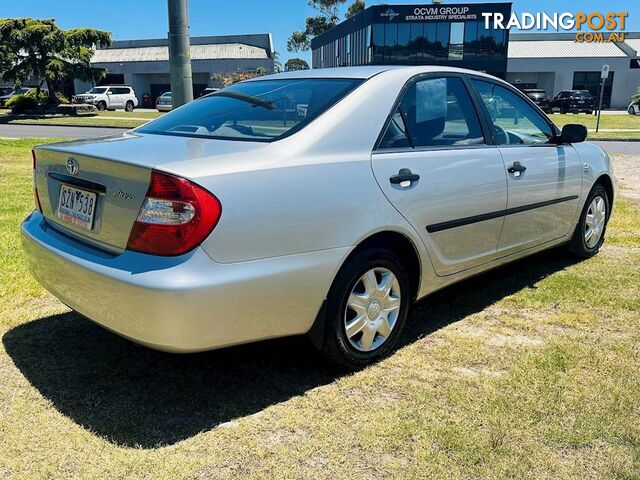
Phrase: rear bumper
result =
(163, 108)
(181, 304)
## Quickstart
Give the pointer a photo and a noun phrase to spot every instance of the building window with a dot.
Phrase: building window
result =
(456, 41)
(417, 42)
(390, 42)
(591, 81)
(404, 35)
(378, 43)
(441, 47)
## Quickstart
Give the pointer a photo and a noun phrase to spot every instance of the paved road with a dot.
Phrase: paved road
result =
(625, 148)
(45, 131)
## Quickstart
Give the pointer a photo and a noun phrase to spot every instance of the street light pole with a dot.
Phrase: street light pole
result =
(179, 55)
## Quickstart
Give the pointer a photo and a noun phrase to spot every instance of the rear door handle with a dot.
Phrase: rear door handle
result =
(404, 175)
(517, 168)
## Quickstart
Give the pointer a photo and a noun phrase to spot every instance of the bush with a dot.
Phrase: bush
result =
(38, 97)
(61, 99)
(76, 109)
(21, 103)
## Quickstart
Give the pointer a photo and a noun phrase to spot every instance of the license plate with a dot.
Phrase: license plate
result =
(580, 101)
(77, 206)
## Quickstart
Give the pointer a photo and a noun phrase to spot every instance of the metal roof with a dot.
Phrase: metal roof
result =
(561, 49)
(634, 43)
(161, 53)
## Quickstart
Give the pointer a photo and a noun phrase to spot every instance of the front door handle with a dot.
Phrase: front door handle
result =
(404, 175)
(517, 169)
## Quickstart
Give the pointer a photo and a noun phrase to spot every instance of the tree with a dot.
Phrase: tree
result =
(40, 48)
(229, 78)
(294, 64)
(327, 18)
(355, 8)
(277, 64)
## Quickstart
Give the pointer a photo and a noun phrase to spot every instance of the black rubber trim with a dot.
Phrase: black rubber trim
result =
(438, 227)
(78, 182)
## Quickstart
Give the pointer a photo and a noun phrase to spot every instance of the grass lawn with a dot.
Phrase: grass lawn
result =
(607, 122)
(530, 371)
(118, 118)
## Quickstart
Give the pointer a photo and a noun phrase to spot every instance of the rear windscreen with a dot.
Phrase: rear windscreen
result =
(262, 110)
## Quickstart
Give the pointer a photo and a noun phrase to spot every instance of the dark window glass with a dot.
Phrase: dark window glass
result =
(404, 32)
(590, 81)
(396, 134)
(441, 49)
(470, 40)
(430, 31)
(254, 111)
(390, 42)
(514, 120)
(378, 43)
(438, 112)
(417, 44)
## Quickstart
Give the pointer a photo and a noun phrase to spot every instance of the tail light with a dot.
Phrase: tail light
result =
(36, 198)
(176, 216)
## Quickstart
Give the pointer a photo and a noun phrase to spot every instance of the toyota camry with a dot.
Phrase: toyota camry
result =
(318, 202)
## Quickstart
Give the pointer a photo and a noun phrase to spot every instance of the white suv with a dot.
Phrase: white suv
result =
(108, 97)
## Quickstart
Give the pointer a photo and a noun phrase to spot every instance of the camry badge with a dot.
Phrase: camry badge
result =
(72, 166)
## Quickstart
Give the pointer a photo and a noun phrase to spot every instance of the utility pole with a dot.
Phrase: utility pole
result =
(179, 55)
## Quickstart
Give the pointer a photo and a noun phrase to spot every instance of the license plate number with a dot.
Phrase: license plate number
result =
(77, 206)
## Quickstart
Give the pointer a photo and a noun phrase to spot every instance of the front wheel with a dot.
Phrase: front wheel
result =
(631, 110)
(589, 234)
(366, 308)
(101, 106)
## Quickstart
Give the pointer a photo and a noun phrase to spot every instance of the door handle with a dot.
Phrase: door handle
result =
(517, 168)
(404, 175)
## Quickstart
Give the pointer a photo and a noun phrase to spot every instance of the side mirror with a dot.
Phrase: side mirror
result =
(571, 133)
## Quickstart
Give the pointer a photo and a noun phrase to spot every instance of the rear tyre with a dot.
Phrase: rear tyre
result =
(101, 106)
(367, 308)
(128, 106)
(589, 234)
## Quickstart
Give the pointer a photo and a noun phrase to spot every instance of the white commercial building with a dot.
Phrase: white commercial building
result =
(556, 62)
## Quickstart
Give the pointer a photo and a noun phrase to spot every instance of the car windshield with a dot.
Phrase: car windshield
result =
(581, 94)
(263, 110)
(97, 90)
(167, 94)
(20, 91)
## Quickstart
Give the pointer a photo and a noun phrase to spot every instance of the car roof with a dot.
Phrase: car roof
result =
(363, 72)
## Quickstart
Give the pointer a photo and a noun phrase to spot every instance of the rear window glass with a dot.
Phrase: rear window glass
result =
(262, 110)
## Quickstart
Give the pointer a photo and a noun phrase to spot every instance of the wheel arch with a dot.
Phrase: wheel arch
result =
(607, 183)
(392, 240)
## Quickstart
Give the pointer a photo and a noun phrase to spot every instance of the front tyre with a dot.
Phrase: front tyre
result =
(366, 308)
(589, 234)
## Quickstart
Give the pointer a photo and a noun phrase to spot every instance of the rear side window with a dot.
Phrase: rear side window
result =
(262, 110)
(514, 120)
(434, 112)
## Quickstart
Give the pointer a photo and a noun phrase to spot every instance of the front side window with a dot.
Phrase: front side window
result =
(262, 110)
(514, 120)
(434, 112)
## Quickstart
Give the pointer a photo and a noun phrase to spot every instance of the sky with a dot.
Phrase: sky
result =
(135, 19)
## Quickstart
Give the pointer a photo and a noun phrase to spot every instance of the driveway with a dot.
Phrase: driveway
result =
(44, 131)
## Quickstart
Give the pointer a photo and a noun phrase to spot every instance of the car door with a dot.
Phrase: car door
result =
(434, 165)
(544, 180)
(115, 97)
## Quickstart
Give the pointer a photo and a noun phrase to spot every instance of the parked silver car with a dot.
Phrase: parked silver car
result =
(232, 219)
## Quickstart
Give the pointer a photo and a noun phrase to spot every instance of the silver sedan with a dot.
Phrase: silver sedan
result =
(319, 202)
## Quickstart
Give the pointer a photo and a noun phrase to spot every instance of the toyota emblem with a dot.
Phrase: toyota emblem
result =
(72, 166)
